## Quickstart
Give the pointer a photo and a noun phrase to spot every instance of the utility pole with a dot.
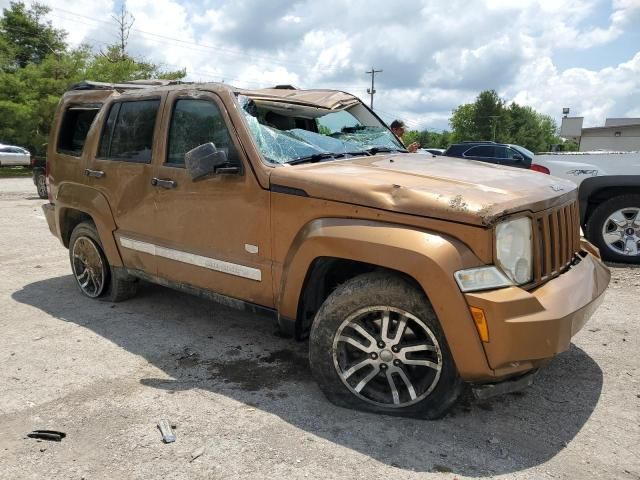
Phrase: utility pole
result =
(371, 91)
(494, 121)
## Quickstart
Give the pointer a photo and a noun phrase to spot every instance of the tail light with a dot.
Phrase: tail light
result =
(540, 168)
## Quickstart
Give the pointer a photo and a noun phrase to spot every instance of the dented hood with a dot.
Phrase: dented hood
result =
(439, 187)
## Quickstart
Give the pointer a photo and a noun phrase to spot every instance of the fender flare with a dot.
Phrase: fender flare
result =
(592, 185)
(429, 258)
(73, 196)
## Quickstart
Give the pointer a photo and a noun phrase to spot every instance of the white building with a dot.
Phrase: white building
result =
(617, 134)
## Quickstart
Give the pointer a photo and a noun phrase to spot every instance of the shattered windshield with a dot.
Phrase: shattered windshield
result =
(287, 133)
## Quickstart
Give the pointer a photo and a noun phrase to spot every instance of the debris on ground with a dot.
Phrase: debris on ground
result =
(167, 431)
(51, 435)
(196, 453)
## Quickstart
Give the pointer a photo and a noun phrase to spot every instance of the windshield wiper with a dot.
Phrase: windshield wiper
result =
(355, 154)
(316, 157)
(376, 150)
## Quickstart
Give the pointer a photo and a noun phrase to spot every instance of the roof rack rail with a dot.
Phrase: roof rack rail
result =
(478, 141)
(132, 85)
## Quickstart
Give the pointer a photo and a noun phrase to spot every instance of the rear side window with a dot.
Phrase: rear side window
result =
(74, 128)
(128, 133)
(480, 151)
(194, 123)
(12, 150)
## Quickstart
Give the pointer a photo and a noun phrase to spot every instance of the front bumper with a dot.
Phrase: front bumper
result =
(527, 328)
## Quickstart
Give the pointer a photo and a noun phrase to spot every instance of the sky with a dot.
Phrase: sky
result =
(434, 54)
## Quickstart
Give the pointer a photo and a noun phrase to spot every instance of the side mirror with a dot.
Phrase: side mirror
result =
(518, 157)
(206, 160)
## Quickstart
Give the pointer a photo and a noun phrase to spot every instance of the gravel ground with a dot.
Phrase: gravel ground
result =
(105, 373)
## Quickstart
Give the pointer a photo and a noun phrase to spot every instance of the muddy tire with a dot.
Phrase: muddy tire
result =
(614, 227)
(376, 345)
(94, 276)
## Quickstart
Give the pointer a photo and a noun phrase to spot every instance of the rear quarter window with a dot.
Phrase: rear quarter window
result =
(75, 126)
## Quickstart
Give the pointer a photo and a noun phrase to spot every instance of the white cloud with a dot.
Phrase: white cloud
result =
(435, 54)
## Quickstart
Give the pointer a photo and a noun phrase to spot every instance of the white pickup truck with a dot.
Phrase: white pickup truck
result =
(609, 194)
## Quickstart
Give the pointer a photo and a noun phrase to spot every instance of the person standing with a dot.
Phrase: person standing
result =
(398, 129)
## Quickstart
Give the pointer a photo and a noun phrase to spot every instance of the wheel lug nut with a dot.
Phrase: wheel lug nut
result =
(395, 349)
(381, 344)
(383, 366)
(374, 356)
(396, 363)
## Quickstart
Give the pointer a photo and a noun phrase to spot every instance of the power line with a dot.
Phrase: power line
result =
(222, 50)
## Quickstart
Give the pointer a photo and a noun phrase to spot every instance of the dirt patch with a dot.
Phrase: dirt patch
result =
(266, 372)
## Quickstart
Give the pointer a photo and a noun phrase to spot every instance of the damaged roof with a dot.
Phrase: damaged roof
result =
(327, 99)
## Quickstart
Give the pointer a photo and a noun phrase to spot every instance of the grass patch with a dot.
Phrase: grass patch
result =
(9, 172)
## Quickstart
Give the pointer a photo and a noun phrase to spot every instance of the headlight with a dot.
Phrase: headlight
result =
(513, 249)
(481, 278)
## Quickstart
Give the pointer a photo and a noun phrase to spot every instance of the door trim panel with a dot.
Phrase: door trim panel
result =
(192, 259)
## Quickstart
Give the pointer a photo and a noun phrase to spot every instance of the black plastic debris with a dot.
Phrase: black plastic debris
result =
(51, 435)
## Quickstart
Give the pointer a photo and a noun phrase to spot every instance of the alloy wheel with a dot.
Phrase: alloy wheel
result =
(621, 231)
(42, 186)
(387, 356)
(88, 267)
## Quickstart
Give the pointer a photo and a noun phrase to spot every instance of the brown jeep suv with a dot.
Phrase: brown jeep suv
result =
(411, 276)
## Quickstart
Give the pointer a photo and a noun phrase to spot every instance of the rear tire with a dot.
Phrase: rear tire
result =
(360, 364)
(94, 276)
(613, 226)
(41, 186)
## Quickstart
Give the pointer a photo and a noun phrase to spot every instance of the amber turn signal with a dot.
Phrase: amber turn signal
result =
(481, 323)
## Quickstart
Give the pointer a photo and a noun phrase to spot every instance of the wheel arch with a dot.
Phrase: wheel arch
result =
(78, 203)
(328, 252)
(595, 190)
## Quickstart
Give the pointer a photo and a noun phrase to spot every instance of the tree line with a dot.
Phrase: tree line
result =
(490, 118)
(37, 66)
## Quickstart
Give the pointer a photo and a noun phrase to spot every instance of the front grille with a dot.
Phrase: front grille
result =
(556, 239)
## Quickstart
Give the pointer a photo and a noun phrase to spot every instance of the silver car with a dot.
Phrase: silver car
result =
(11, 155)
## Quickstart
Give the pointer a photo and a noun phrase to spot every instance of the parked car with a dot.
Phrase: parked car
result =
(432, 151)
(491, 152)
(39, 175)
(609, 193)
(410, 280)
(10, 155)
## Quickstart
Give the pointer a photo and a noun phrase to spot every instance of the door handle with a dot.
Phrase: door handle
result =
(163, 182)
(93, 173)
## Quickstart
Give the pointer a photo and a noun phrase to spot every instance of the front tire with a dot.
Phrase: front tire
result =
(376, 345)
(614, 227)
(94, 276)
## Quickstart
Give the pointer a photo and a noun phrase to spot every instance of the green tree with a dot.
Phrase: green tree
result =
(462, 122)
(37, 68)
(25, 37)
(489, 118)
(114, 67)
(29, 96)
(117, 65)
